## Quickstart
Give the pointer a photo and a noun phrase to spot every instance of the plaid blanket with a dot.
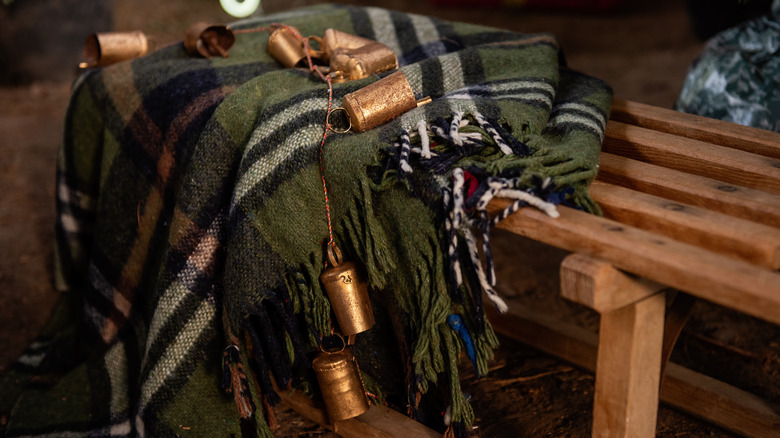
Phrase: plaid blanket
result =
(191, 225)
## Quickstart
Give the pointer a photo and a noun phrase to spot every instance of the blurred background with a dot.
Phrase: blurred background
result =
(643, 49)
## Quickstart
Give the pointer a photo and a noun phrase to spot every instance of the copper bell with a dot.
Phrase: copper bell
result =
(334, 40)
(286, 46)
(340, 384)
(353, 57)
(352, 64)
(208, 40)
(348, 294)
(380, 102)
(102, 49)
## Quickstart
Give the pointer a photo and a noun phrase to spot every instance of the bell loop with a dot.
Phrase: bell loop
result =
(335, 350)
(333, 127)
(334, 255)
(319, 52)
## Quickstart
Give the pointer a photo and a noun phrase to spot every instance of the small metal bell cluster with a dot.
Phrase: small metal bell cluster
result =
(337, 371)
(351, 57)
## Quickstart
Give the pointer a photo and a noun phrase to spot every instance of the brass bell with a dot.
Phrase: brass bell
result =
(353, 57)
(333, 40)
(208, 40)
(348, 294)
(340, 384)
(352, 64)
(286, 46)
(102, 49)
(380, 102)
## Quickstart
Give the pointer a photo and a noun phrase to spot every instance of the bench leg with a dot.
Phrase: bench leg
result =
(628, 369)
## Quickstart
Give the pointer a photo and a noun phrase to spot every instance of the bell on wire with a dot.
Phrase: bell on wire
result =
(353, 57)
(287, 46)
(347, 293)
(334, 39)
(340, 384)
(380, 102)
(208, 40)
(103, 49)
(352, 64)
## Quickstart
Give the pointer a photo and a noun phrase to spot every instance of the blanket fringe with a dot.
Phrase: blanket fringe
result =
(466, 140)
(437, 280)
(235, 381)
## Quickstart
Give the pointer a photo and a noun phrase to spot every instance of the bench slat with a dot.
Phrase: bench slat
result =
(708, 193)
(723, 280)
(750, 241)
(693, 156)
(744, 138)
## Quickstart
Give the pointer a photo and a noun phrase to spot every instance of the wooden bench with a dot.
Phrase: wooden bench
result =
(689, 203)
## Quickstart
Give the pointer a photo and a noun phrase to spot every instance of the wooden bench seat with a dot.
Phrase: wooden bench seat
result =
(709, 193)
(729, 235)
(689, 203)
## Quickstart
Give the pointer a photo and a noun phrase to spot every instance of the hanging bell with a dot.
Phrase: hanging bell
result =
(380, 102)
(340, 384)
(348, 294)
(352, 64)
(102, 49)
(287, 46)
(208, 40)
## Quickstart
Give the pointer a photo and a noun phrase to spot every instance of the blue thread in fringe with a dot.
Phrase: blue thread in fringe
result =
(456, 323)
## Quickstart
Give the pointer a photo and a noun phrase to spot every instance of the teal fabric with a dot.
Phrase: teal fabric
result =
(737, 76)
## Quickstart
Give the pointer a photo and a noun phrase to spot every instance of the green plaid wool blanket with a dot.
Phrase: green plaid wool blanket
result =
(191, 226)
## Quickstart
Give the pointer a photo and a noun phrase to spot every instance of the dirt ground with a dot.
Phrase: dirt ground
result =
(643, 51)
